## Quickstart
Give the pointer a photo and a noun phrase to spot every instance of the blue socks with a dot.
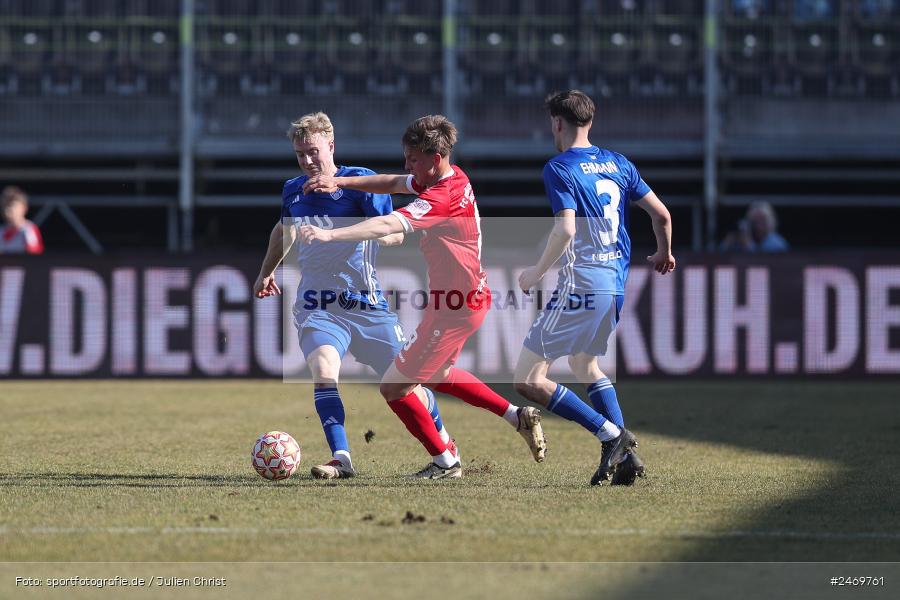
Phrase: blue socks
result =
(603, 396)
(331, 413)
(433, 409)
(566, 404)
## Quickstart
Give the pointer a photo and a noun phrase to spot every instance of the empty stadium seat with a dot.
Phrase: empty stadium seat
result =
(154, 50)
(875, 49)
(412, 49)
(748, 56)
(349, 51)
(222, 54)
(551, 35)
(93, 48)
(677, 58)
(292, 42)
(754, 49)
(259, 77)
(609, 59)
(493, 46)
(813, 55)
(30, 51)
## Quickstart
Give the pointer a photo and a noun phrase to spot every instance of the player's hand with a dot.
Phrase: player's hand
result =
(529, 278)
(320, 184)
(663, 262)
(266, 286)
(310, 233)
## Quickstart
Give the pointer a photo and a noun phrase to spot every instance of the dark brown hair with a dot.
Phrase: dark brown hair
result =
(12, 194)
(431, 134)
(574, 106)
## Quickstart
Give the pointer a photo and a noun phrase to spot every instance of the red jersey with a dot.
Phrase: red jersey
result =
(451, 239)
(26, 239)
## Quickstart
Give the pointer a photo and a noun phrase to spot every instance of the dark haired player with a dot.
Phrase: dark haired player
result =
(590, 190)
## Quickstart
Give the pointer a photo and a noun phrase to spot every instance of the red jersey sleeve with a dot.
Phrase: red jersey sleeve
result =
(413, 187)
(429, 209)
(34, 243)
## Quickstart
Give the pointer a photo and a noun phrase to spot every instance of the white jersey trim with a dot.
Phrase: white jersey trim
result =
(407, 226)
(410, 180)
(368, 265)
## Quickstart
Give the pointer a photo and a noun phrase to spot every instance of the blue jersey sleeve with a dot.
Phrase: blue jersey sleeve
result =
(559, 187)
(374, 205)
(285, 201)
(637, 187)
(371, 205)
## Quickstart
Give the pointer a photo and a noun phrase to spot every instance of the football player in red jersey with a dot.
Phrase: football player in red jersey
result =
(458, 296)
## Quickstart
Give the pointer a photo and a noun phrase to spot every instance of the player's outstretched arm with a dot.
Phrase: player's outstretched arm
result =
(370, 229)
(395, 239)
(663, 261)
(560, 236)
(375, 184)
(280, 241)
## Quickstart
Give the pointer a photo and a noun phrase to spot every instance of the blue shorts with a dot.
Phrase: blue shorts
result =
(374, 336)
(580, 323)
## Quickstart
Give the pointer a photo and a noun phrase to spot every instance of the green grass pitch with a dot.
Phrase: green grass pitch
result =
(160, 471)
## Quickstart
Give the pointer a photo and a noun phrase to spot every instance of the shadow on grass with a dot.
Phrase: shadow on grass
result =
(174, 480)
(851, 516)
(120, 480)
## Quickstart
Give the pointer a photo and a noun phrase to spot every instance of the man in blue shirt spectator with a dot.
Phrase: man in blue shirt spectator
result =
(757, 232)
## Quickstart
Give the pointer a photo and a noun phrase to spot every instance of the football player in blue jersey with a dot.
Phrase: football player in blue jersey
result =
(340, 305)
(590, 190)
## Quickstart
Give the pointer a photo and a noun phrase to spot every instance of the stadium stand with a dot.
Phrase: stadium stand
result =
(551, 38)
(410, 47)
(874, 48)
(675, 54)
(803, 82)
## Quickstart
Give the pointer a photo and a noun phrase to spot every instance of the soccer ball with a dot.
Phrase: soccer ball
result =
(275, 455)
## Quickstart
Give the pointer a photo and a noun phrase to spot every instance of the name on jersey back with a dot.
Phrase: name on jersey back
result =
(606, 256)
(593, 167)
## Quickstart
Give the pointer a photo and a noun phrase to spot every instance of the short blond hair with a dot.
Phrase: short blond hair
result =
(307, 126)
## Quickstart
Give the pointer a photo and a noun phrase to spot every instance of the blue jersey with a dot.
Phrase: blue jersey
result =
(345, 268)
(598, 185)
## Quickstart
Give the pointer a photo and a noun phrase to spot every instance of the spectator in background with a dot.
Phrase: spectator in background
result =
(757, 232)
(18, 235)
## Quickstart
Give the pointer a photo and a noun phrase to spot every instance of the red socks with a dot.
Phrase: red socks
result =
(472, 390)
(419, 423)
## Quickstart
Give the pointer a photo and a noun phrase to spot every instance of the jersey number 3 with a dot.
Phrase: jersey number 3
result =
(608, 187)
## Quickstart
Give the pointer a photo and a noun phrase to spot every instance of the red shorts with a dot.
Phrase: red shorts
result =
(437, 342)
